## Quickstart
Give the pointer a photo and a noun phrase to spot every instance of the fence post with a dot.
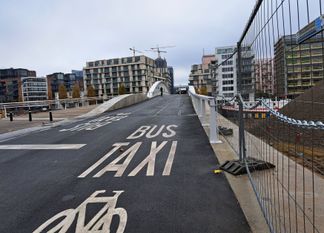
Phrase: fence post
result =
(242, 152)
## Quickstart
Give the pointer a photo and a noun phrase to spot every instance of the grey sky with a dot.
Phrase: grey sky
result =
(53, 36)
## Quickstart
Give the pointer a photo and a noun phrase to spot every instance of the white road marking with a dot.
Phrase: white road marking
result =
(149, 160)
(161, 109)
(100, 222)
(172, 132)
(100, 161)
(97, 123)
(120, 168)
(168, 164)
(42, 147)
(148, 131)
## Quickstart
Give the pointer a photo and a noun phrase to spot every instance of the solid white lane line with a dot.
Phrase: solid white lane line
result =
(42, 147)
(168, 165)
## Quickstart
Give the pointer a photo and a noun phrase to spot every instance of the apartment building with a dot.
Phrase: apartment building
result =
(137, 74)
(34, 88)
(298, 66)
(68, 80)
(264, 78)
(203, 76)
(11, 85)
(226, 73)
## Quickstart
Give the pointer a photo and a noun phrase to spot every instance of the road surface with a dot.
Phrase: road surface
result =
(146, 168)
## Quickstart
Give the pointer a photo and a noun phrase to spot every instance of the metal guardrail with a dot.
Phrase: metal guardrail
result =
(49, 104)
(199, 103)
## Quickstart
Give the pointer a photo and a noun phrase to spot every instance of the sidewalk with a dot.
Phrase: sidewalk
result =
(282, 193)
(240, 185)
(41, 118)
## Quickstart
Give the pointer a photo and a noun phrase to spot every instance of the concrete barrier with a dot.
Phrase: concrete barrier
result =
(117, 102)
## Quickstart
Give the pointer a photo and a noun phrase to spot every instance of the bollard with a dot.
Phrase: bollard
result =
(11, 116)
(30, 115)
(50, 116)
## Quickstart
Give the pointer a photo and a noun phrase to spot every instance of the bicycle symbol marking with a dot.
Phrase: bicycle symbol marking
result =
(100, 223)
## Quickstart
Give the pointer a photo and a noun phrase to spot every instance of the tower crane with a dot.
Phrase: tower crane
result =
(135, 51)
(158, 50)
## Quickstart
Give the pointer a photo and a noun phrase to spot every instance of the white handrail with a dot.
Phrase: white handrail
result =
(199, 103)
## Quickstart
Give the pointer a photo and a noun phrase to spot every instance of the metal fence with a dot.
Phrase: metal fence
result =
(281, 53)
(44, 105)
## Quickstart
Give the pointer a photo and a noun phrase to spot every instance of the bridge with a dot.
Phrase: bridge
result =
(174, 163)
(152, 160)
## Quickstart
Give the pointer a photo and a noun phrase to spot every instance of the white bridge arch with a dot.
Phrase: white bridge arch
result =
(155, 89)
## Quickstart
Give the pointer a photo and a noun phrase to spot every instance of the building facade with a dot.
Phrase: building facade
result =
(137, 74)
(10, 84)
(298, 67)
(34, 88)
(264, 77)
(226, 73)
(68, 80)
(247, 81)
(203, 76)
(171, 79)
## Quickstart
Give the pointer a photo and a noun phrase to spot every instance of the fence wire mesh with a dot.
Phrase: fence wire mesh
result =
(281, 59)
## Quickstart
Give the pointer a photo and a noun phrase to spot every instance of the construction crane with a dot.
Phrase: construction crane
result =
(135, 51)
(158, 50)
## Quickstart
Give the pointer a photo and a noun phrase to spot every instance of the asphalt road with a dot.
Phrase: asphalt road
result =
(146, 168)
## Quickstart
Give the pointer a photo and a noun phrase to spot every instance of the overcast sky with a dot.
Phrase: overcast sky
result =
(58, 36)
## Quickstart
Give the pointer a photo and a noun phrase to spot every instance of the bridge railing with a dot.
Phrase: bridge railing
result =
(23, 107)
(205, 107)
(281, 52)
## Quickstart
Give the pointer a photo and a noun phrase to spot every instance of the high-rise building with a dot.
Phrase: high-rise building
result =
(202, 76)
(10, 84)
(34, 88)
(298, 67)
(137, 74)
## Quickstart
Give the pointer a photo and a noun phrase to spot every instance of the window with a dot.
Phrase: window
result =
(228, 94)
(228, 63)
(228, 88)
(227, 69)
(228, 82)
(227, 76)
(226, 56)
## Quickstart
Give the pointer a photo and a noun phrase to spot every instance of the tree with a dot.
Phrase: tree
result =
(121, 89)
(76, 91)
(62, 92)
(203, 91)
(91, 91)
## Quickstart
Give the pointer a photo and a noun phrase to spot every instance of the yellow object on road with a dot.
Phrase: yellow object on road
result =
(217, 171)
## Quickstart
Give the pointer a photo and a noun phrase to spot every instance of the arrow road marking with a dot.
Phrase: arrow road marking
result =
(42, 147)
